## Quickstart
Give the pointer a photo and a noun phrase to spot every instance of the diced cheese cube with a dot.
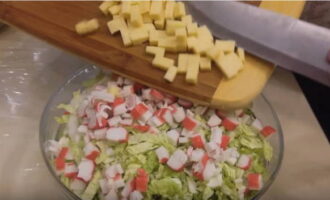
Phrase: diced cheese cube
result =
(160, 23)
(181, 34)
(136, 17)
(204, 33)
(226, 46)
(126, 9)
(170, 74)
(229, 64)
(191, 41)
(156, 8)
(144, 7)
(149, 27)
(187, 19)
(201, 46)
(213, 52)
(169, 43)
(169, 10)
(116, 24)
(181, 46)
(179, 10)
(205, 64)
(172, 25)
(241, 53)
(192, 29)
(155, 36)
(114, 10)
(156, 51)
(125, 37)
(139, 35)
(193, 69)
(104, 6)
(146, 18)
(162, 62)
(182, 63)
(87, 26)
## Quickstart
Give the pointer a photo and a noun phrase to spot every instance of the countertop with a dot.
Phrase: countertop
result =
(31, 70)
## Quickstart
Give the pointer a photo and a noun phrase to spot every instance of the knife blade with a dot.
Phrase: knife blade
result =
(290, 43)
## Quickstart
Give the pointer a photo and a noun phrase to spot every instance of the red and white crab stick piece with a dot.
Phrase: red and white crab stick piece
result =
(244, 162)
(267, 131)
(162, 154)
(91, 151)
(156, 95)
(254, 181)
(229, 123)
(177, 160)
(216, 135)
(179, 114)
(136, 195)
(189, 123)
(141, 180)
(119, 106)
(118, 134)
(197, 141)
(141, 112)
(85, 170)
(173, 135)
(70, 170)
(213, 121)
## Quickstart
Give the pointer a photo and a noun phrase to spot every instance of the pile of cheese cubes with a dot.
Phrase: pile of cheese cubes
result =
(167, 28)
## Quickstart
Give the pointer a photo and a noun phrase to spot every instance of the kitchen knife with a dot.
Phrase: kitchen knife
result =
(290, 43)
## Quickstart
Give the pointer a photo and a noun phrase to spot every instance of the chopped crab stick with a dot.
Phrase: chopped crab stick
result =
(197, 155)
(179, 115)
(213, 121)
(114, 171)
(141, 180)
(136, 195)
(141, 112)
(197, 141)
(225, 139)
(267, 131)
(244, 162)
(156, 95)
(114, 121)
(209, 171)
(162, 154)
(189, 123)
(254, 181)
(257, 124)
(117, 134)
(184, 103)
(229, 123)
(70, 170)
(177, 160)
(91, 151)
(173, 135)
(85, 170)
(216, 134)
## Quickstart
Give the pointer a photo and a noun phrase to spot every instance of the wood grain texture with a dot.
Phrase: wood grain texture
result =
(54, 22)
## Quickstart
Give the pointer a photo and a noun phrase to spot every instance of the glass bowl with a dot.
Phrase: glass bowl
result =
(49, 127)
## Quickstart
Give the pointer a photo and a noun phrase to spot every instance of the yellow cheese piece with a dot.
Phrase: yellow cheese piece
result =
(114, 10)
(192, 29)
(136, 17)
(116, 24)
(125, 37)
(182, 63)
(204, 33)
(114, 90)
(144, 7)
(87, 26)
(187, 20)
(146, 18)
(155, 36)
(241, 53)
(169, 43)
(193, 69)
(226, 46)
(191, 41)
(139, 35)
(201, 46)
(213, 52)
(229, 64)
(179, 10)
(149, 27)
(126, 9)
(104, 6)
(156, 51)
(169, 10)
(162, 62)
(172, 25)
(160, 23)
(205, 64)
(181, 34)
(156, 8)
(170, 74)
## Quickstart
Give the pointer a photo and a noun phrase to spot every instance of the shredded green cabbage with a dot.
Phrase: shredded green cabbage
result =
(63, 119)
(92, 187)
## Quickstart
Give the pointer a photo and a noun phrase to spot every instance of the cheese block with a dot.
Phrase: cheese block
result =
(162, 62)
(146, 18)
(125, 36)
(191, 41)
(192, 29)
(114, 10)
(136, 18)
(241, 53)
(144, 7)
(87, 26)
(156, 8)
(201, 46)
(226, 46)
(181, 35)
(179, 10)
(156, 51)
(214, 52)
(172, 25)
(193, 69)
(155, 36)
(169, 10)
(160, 23)
(205, 64)
(204, 33)
(182, 63)
(169, 43)
(149, 27)
(170, 74)
(126, 9)
(104, 6)
(187, 20)
(139, 35)
(116, 24)
(229, 64)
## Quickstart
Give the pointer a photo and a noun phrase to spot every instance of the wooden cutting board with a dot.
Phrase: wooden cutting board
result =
(53, 21)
